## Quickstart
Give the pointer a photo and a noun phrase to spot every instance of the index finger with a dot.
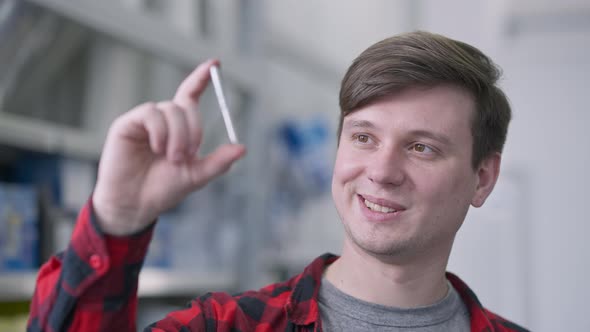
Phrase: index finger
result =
(188, 92)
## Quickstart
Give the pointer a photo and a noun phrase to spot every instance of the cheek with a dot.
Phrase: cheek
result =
(450, 190)
(442, 183)
(346, 167)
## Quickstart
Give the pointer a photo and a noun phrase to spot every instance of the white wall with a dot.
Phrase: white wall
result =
(550, 139)
(335, 32)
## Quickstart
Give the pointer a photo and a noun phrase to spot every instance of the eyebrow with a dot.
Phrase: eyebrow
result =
(359, 124)
(364, 124)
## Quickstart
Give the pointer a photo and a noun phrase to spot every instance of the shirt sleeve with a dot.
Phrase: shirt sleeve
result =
(92, 285)
(212, 312)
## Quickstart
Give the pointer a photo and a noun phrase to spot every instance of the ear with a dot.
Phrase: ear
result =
(487, 175)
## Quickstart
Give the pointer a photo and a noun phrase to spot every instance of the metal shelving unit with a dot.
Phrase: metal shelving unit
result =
(17, 286)
(142, 31)
(153, 282)
(47, 137)
(241, 72)
(152, 35)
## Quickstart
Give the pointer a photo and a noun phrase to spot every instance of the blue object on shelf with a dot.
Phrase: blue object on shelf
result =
(41, 170)
(19, 227)
(307, 143)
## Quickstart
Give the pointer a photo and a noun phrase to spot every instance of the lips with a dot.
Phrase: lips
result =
(378, 209)
(379, 204)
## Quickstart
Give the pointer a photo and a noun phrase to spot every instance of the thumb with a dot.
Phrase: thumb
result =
(218, 162)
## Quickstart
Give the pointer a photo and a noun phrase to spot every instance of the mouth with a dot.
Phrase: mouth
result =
(380, 206)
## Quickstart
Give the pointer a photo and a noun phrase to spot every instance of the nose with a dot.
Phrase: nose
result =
(386, 167)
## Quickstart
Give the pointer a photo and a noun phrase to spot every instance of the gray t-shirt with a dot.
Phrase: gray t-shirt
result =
(342, 312)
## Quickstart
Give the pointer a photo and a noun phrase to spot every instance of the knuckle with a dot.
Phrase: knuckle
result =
(172, 110)
(149, 104)
(163, 106)
(177, 106)
(146, 107)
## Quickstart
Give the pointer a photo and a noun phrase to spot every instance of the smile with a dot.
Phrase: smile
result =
(378, 208)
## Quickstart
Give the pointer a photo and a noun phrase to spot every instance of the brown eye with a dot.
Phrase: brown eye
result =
(422, 148)
(419, 147)
(362, 138)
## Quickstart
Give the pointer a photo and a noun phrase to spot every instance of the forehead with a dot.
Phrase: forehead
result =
(446, 109)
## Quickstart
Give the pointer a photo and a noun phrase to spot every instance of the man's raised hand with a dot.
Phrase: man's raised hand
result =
(150, 159)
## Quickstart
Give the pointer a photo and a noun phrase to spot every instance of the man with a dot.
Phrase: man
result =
(422, 128)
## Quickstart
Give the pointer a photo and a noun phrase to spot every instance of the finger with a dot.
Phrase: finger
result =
(218, 162)
(178, 141)
(155, 125)
(193, 118)
(188, 93)
(143, 121)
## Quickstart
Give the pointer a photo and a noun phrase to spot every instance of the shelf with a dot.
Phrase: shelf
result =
(44, 136)
(165, 283)
(19, 286)
(152, 34)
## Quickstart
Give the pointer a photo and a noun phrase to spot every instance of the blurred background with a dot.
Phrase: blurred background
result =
(67, 69)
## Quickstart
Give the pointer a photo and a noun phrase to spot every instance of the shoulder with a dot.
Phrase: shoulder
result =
(245, 310)
(271, 298)
(271, 304)
(482, 319)
(501, 324)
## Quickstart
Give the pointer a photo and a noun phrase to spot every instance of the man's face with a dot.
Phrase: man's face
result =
(403, 179)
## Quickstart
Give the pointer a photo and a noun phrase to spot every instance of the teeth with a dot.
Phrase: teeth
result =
(377, 207)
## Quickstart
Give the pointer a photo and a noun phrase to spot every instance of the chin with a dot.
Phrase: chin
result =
(380, 247)
(385, 251)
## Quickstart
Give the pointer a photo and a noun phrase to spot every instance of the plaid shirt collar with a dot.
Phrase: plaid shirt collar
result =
(303, 308)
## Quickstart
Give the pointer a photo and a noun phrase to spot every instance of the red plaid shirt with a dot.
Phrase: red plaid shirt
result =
(92, 286)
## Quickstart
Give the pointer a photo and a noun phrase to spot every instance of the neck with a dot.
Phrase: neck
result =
(403, 283)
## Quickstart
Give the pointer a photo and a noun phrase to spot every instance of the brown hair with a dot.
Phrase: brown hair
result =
(425, 59)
